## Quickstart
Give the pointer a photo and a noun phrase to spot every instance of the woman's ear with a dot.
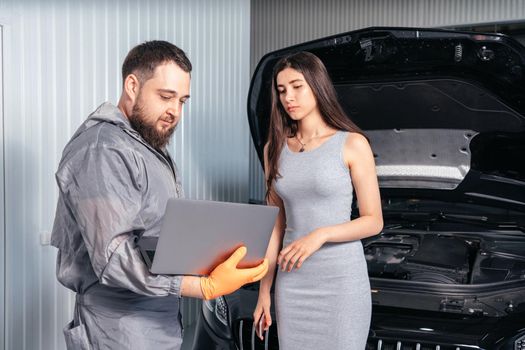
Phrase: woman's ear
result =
(132, 87)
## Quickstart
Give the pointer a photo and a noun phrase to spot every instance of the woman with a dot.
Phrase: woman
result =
(314, 157)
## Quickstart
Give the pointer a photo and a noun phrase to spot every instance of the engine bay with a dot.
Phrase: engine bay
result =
(444, 258)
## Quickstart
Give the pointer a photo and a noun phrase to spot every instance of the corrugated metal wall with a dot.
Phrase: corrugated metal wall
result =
(61, 60)
(276, 24)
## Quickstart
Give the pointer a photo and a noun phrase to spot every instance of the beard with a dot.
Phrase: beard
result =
(157, 139)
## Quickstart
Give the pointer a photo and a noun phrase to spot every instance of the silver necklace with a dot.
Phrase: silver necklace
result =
(302, 149)
(304, 144)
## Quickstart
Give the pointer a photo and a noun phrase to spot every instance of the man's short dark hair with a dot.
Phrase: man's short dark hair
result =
(144, 58)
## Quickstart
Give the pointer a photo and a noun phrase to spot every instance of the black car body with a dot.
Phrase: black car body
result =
(445, 115)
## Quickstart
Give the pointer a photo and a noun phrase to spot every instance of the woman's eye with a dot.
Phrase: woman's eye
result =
(297, 86)
(281, 92)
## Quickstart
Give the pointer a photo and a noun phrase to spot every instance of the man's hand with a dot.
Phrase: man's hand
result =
(227, 278)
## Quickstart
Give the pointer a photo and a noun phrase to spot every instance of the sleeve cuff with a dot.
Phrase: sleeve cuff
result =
(175, 282)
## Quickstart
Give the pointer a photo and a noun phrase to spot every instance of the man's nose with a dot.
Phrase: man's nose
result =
(175, 110)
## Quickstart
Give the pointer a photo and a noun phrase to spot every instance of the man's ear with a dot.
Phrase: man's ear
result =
(132, 87)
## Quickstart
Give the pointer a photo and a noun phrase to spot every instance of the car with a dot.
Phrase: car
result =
(445, 115)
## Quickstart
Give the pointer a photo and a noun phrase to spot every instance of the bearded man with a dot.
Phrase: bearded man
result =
(115, 178)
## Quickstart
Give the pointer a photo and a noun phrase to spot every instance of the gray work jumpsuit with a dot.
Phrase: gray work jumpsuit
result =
(113, 189)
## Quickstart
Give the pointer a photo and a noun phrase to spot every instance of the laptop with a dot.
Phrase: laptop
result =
(196, 236)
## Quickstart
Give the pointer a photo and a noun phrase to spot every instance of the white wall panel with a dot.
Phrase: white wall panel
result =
(276, 24)
(2, 197)
(61, 60)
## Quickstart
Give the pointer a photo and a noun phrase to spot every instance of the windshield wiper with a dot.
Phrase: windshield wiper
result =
(434, 217)
(483, 221)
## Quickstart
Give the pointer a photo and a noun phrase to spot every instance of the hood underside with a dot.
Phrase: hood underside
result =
(443, 110)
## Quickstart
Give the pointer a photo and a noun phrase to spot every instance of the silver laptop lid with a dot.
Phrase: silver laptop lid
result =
(197, 235)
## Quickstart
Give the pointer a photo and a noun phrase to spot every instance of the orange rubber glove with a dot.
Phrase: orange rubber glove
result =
(227, 278)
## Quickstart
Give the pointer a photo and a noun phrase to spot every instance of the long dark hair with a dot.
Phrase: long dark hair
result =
(283, 127)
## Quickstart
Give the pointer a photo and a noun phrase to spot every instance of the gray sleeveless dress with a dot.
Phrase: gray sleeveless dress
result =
(326, 304)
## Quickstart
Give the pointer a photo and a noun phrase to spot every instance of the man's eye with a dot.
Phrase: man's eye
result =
(183, 102)
(167, 98)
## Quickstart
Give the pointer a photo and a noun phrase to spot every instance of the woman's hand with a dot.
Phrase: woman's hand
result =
(299, 250)
(262, 313)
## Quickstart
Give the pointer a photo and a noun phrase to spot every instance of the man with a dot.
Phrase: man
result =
(115, 178)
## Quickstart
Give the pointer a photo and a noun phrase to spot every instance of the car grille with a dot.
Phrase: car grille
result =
(246, 339)
(395, 344)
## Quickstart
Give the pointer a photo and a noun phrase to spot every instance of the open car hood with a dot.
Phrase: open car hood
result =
(444, 110)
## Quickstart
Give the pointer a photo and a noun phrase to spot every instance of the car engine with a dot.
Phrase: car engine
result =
(441, 258)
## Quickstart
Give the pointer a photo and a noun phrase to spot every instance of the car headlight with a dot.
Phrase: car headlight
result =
(215, 312)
